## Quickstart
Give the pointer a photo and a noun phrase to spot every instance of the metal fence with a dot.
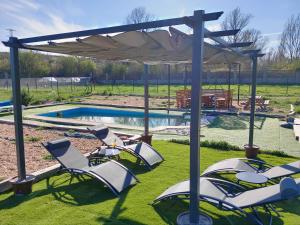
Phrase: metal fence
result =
(211, 78)
(48, 82)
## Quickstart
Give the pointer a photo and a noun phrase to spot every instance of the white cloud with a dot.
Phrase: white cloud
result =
(272, 34)
(214, 27)
(27, 18)
(273, 39)
(18, 6)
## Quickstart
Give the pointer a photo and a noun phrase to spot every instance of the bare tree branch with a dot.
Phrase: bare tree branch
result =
(236, 20)
(290, 38)
(139, 15)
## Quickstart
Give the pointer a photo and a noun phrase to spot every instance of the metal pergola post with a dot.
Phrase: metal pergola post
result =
(229, 85)
(17, 101)
(169, 85)
(197, 60)
(146, 99)
(185, 76)
(253, 99)
(239, 82)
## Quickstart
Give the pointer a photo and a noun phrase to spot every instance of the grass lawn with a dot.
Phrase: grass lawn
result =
(281, 97)
(55, 201)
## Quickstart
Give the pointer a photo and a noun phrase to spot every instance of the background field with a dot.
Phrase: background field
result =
(281, 96)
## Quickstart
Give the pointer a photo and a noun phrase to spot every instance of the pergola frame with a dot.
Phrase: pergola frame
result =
(196, 22)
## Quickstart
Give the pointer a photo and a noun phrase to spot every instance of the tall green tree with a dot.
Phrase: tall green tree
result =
(68, 66)
(86, 67)
(32, 64)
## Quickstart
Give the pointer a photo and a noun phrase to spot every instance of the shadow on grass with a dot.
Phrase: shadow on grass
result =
(80, 193)
(137, 167)
(118, 209)
(85, 191)
(168, 210)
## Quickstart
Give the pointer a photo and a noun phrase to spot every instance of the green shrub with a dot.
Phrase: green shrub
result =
(181, 141)
(26, 98)
(219, 145)
(35, 101)
(32, 139)
(59, 98)
(276, 153)
(40, 128)
(48, 157)
(71, 131)
(225, 146)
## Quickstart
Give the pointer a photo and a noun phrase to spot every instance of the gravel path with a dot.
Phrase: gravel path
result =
(35, 153)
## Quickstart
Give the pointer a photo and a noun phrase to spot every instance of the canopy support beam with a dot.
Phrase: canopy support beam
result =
(188, 20)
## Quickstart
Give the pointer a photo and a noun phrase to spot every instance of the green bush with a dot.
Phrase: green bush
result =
(32, 139)
(35, 101)
(48, 157)
(59, 98)
(219, 145)
(40, 128)
(225, 146)
(276, 153)
(26, 98)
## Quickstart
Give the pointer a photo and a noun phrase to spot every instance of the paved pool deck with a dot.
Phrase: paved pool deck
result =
(268, 133)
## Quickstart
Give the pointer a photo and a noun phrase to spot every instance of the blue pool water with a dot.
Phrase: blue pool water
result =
(117, 116)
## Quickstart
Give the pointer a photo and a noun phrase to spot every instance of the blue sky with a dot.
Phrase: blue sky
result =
(38, 17)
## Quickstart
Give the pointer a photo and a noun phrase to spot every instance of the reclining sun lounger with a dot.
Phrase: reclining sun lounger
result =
(230, 196)
(251, 165)
(6, 106)
(141, 150)
(113, 174)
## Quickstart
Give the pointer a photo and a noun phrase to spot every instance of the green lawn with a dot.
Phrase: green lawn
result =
(280, 96)
(55, 201)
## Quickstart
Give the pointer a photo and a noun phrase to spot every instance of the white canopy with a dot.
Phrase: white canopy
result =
(159, 46)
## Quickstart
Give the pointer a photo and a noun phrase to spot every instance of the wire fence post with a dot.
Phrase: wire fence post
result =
(133, 85)
(287, 85)
(57, 89)
(239, 82)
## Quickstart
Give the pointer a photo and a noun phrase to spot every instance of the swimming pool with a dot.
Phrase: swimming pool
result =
(119, 116)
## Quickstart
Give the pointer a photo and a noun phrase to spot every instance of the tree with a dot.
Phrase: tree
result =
(139, 15)
(238, 20)
(32, 64)
(255, 36)
(4, 65)
(86, 67)
(68, 66)
(290, 38)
